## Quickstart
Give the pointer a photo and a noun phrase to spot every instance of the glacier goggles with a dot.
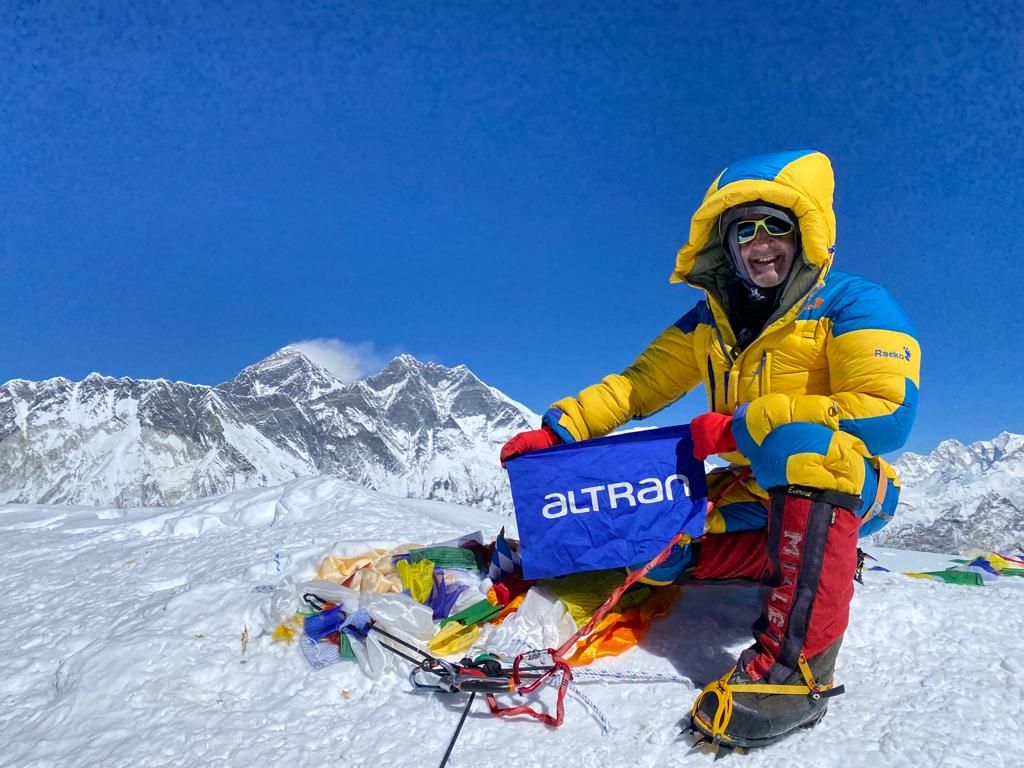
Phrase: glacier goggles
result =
(775, 227)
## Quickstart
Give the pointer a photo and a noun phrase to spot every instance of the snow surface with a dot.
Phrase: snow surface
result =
(122, 646)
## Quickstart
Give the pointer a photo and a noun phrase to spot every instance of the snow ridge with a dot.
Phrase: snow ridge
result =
(415, 429)
(961, 497)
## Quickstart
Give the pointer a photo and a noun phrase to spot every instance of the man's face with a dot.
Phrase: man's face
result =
(767, 259)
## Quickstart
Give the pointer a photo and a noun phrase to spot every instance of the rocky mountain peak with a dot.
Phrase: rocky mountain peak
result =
(953, 461)
(289, 372)
(405, 360)
(400, 370)
(287, 352)
(1006, 444)
(409, 365)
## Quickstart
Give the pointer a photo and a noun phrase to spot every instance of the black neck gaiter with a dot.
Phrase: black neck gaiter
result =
(749, 310)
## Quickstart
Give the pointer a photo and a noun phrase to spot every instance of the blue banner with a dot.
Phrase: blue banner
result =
(606, 503)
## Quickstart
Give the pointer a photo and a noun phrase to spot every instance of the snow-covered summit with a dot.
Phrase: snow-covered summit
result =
(414, 429)
(289, 372)
(953, 461)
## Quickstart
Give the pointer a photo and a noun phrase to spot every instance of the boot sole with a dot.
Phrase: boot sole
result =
(741, 743)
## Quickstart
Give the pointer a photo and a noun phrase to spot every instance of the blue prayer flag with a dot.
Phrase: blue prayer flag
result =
(610, 502)
(504, 559)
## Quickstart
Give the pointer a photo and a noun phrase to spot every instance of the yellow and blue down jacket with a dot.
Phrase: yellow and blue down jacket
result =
(830, 383)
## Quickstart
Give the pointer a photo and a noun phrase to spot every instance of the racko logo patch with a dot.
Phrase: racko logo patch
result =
(904, 355)
(650, 490)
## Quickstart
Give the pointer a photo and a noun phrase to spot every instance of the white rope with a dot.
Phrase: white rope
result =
(639, 677)
(594, 674)
(606, 727)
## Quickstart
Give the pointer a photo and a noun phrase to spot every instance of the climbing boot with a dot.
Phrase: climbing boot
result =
(738, 712)
(784, 680)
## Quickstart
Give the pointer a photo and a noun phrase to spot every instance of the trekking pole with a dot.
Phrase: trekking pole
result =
(458, 730)
(426, 656)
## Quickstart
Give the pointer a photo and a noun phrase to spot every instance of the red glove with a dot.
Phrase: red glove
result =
(712, 433)
(525, 442)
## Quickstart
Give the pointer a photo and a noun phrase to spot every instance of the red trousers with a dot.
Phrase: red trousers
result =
(808, 556)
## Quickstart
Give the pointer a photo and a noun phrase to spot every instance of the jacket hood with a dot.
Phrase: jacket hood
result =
(801, 181)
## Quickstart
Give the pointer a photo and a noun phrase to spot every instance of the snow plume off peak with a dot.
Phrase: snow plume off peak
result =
(346, 362)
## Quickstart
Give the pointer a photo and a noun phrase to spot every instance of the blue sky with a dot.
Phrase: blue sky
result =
(189, 186)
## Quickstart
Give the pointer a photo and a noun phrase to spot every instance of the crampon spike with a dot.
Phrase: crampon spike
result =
(699, 745)
(723, 752)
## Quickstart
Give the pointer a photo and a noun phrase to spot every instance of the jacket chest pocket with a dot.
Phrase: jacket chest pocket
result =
(797, 366)
(719, 374)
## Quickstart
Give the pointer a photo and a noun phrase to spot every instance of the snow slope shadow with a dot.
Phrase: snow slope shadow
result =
(706, 629)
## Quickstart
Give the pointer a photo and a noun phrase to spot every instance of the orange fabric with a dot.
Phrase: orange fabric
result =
(618, 632)
(508, 610)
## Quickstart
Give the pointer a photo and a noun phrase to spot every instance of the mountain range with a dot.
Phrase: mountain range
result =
(414, 429)
(960, 497)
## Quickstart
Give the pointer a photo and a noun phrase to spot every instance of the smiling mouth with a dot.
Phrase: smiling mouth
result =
(766, 260)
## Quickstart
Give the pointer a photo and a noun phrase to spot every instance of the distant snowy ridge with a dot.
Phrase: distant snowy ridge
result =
(961, 497)
(415, 429)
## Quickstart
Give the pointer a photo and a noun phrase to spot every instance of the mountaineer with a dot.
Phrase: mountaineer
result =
(811, 374)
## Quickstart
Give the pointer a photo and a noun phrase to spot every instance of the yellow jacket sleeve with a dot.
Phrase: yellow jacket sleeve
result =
(663, 373)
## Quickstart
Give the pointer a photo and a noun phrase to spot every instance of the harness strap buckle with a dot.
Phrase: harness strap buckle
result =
(882, 485)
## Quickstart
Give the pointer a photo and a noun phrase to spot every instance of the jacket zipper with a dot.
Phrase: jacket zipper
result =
(762, 373)
(731, 359)
(725, 376)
